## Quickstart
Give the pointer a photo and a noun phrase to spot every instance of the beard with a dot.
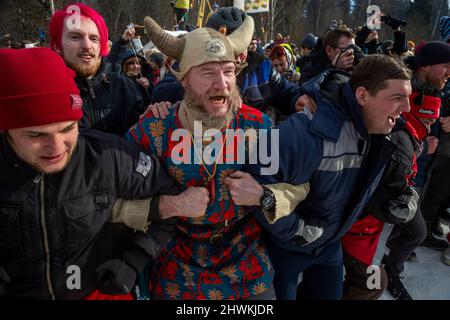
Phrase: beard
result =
(86, 70)
(196, 111)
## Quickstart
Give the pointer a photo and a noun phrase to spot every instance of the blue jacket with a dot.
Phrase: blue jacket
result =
(333, 151)
(262, 86)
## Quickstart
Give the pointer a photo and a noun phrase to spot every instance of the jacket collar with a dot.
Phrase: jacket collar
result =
(336, 104)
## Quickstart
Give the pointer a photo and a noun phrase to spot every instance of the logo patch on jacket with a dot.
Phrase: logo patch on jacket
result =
(144, 165)
(101, 200)
(77, 102)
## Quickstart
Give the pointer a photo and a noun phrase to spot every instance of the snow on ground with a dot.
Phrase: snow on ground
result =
(427, 278)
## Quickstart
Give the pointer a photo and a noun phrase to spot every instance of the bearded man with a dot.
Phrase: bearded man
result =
(218, 252)
(111, 102)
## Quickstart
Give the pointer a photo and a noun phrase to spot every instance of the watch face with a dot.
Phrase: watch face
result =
(267, 202)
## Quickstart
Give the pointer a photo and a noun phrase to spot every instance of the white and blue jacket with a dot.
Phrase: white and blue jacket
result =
(333, 151)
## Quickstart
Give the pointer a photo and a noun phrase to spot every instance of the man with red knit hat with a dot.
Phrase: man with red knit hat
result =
(58, 187)
(111, 102)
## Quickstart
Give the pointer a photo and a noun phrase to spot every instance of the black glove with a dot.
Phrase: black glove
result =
(393, 22)
(4, 279)
(115, 277)
(403, 208)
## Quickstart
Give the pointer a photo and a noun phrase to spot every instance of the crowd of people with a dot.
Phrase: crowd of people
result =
(102, 165)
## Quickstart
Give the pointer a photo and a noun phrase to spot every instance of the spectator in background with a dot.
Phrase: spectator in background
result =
(169, 88)
(433, 70)
(133, 66)
(279, 39)
(6, 41)
(181, 10)
(306, 46)
(253, 44)
(156, 62)
(367, 39)
(215, 7)
(267, 50)
(411, 48)
(287, 39)
(334, 53)
(283, 60)
(116, 50)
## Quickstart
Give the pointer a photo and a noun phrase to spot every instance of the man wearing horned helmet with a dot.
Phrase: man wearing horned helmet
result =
(217, 252)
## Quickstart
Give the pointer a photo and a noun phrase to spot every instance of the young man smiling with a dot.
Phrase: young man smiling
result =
(58, 187)
(346, 149)
(111, 102)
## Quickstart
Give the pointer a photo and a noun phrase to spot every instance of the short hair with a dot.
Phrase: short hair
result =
(333, 36)
(57, 20)
(373, 71)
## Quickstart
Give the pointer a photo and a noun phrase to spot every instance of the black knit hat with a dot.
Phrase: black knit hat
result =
(433, 52)
(231, 17)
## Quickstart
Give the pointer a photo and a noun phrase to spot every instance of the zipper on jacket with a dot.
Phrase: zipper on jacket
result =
(92, 98)
(44, 232)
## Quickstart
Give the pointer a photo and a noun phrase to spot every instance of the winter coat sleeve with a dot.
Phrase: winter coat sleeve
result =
(394, 201)
(284, 94)
(134, 101)
(140, 176)
(116, 55)
(313, 67)
(289, 143)
(400, 45)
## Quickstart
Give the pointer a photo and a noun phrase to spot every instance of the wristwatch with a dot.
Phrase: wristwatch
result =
(267, 199)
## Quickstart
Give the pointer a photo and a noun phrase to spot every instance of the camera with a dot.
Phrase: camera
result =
(357, 53)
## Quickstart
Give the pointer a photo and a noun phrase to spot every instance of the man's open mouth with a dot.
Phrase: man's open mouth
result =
(218, 99)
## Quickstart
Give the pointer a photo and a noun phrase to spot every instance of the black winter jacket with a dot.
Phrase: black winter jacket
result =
(51, 222)
(111, 102)
(394, 200)
(315, 63)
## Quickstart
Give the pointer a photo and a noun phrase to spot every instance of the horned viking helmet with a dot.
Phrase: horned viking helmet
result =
(202, 45)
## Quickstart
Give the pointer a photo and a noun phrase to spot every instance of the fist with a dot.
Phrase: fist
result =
(244, 189)
(143, 82)
(192, 202)
(128, 34)
(305, 101)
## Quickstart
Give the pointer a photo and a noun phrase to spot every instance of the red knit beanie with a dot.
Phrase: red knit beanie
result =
(424, 106)
(36, 88)
(57, 20)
